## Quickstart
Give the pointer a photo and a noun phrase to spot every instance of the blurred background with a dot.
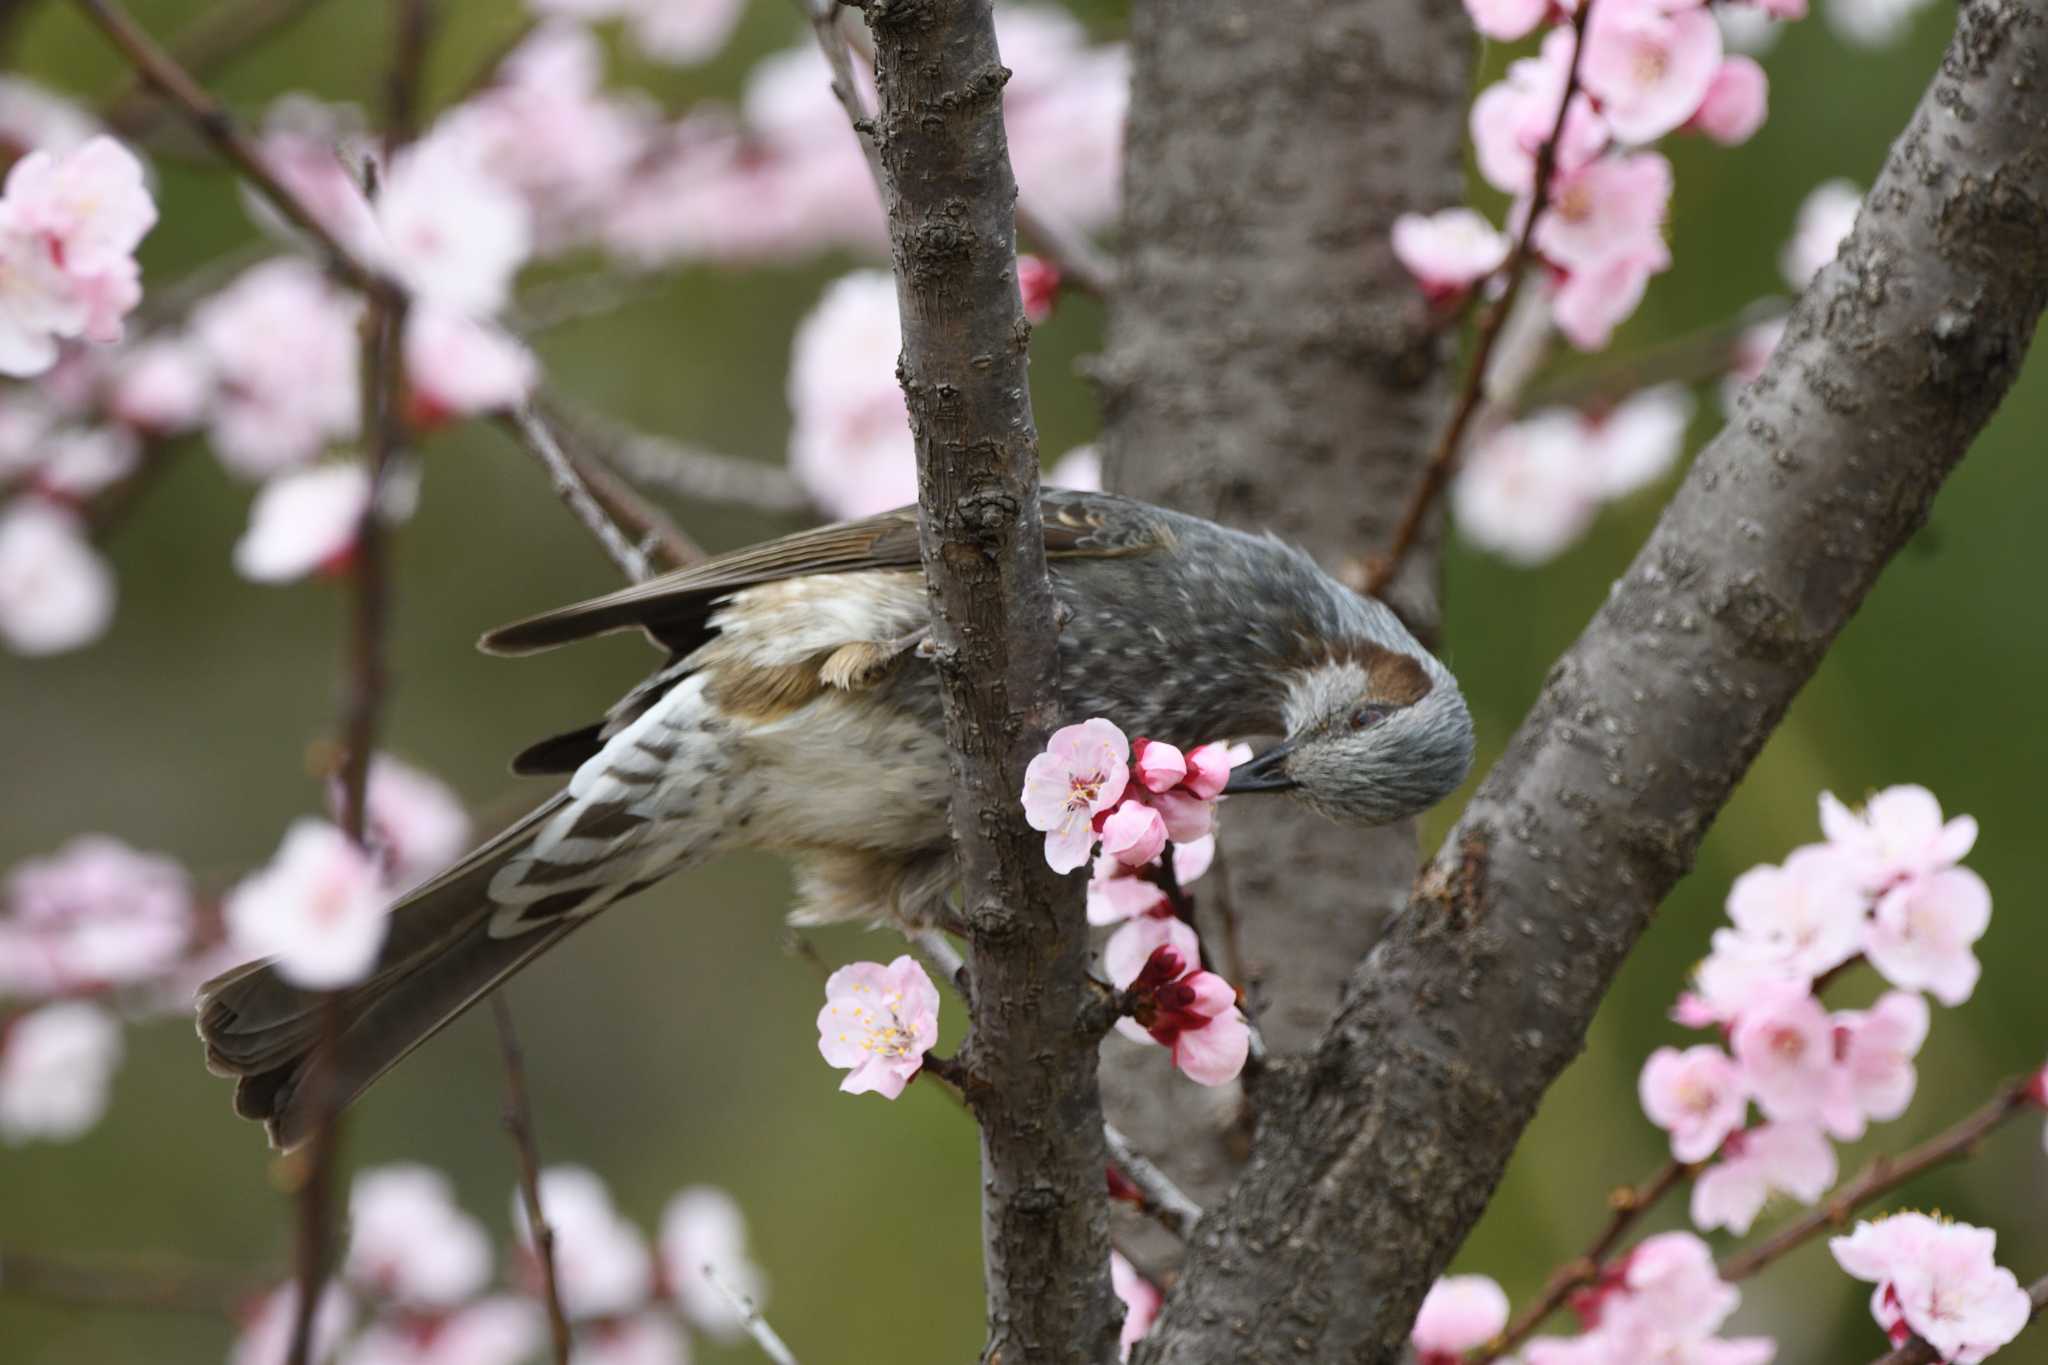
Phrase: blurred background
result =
(676, 1045)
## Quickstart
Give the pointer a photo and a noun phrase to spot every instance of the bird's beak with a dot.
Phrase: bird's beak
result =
(1266, 773)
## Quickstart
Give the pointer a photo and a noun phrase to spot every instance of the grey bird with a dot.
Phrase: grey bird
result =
(797, 714)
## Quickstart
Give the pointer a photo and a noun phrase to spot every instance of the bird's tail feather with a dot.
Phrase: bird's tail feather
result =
(440, 956)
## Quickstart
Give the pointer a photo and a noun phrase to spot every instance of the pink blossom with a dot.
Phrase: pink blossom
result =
(316, 151)
(267, 1338)
(1736, 103)
(79, 462)
(1786, 1045)
(1063, 110)
(1187, 817)
(1448, 251)
(34, 119)
(602, 1263)
(1134, 834)
(1612, 207)
(1157, 766)
(162, 387)
(1649, 67)
(1672, 1290)
(304, 523)
(850, 443)
(879, 1022)
(409, 1241)
(95, 913)
(1079, 469)
(1192, 1012)
(456, 366)
(1696, 1095)
(651, 1338)
(1825, 219)
(1128, 949)
(1636, 442)
(1938, 1281)
(1808, 915)
(1512, 119)
(90, 205)
(56, 593)
(683, 32)
(1209, 768)
(318, 909)
(1082, 773)
(56, 1069)
(39, 302)
(1117, 892)
(500, 1330)
(1507, 21)
(283, 343)
(1589, 303)
(1527, 490)
(450, 230)
(1898, 836)
(1459, 1313)
(414, 824)
(1141, 1300)
(1872, 23)
(1750, 28)
(703, 1227)
(1038, 282)
(1795, 1159)
(1876, 1048)
(1921, 937)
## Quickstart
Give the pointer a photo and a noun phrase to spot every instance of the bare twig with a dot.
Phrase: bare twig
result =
(1883, 1175)
(757, 1326)
(1163, 1201)
(650, 528)
(672, 467)
(518, 1122)
(412, 29)
(1918, 1352)
(533, 432)
(220, 34)
(146, 1284)
(1443, 457)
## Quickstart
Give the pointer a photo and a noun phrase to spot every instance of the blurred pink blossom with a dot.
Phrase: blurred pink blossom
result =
(317, 151)
(69, 225)
(1786, 1045)
(879, 1022)
(1736, 103)
(703, 1226)
(1809, 915)
(304, 522)
(79, 462)
(1872, 23)
(1527, 490)
(849, 443)
(1063, 110)
(1459, 1313)
(1648, 65)
(1876, 1048)
(1082, 773)
(1141, 1300)
(1924, 933)
(1590, 302)
(1515, 116)
(1636, 442)
(1672, 1290)
(1936, 1280)
(1507, 21)
(1897, 836)
(1825, 219)
(283, 343)
(1079, 469)
(1794, 1159)
(56, 593)
(451, 230)
(56, 1069)
(500, 1330)
(456, 366)
(162, 387)
(1612, 207)
(683, 32)
(95, 913)
(641, 1339)
(1117, 892)
(413, 822)
(1448, 251)
(602, 1265)
(35, 119)
(318, 909)
(1698, 1096)
(409, 1241)
(1038, 283)
(267, 1337)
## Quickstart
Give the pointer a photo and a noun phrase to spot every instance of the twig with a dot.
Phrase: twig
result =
(128, 1282)
(650, 528)
(672, 467)
(221, 33)
(1918, 1352)
(938, 952)
(1883, 1175)
(518, 1122)
(1630, 1203)
(532, 432)
(757, 1326)
(1163, 1201)
(412, 24)
(1444, 456)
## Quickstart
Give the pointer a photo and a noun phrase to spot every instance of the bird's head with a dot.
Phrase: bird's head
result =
(1375, 733)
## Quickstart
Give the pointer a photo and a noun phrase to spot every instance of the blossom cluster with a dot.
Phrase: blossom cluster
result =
(1936, 1280)
(1081, 791)
(416, 1285)
(98, 933)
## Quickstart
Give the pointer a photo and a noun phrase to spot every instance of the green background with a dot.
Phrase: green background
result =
(675, 1045)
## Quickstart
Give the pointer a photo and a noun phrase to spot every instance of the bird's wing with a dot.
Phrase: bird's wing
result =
(675, 608)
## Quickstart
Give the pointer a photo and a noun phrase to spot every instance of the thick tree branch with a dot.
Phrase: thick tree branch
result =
(949, 195)
(1378, 1154)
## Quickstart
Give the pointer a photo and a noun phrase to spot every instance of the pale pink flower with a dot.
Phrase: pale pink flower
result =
(850, 444)
(304, 523)
(711, 190)
(1134, 834)
(602, 1264)
(452, 231)
(1783, 9)
(27, 417)
(1141, 1300)
(1117, 892)
(1736, 103)
(879, 1022)
(91, 204)
(1079, 469)
(1448, 251)
(1189, 1011)
(683, 32)
(1809, 914)
(1186, 817)
(95, 913)
(1872, 23)
(1876, 1048)
(267, 1337)
(1923, 933)
(1127, 950)
(1938, 1281)
(162, 387)
(1786, 1045)
(317, 151)
(1899, 835)
(701, 1227)
(1209, 768)
(1648, 67)
(1696, 1095)
(34, 119)
(409, 1241)
(1527, 490)
(283, 343)
(414, 823)
(1589, 303)
(1082, 773)
(1672, 1291)
(1794, 1159)
(1738, 976)
(1825, 219)
(39, 302)
(1157, 766)
(1638, 441)
(651, 1338)
(1609, 208)
(1459, 1313)
(56, 593)
(456, 366)
(1063, 110)
(318, 909)
(500, 1330)
(1513, 118)
(79, 462)
(1507, 21)
(56, 1069)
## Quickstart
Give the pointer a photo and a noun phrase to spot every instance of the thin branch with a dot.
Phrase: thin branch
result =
(412, 24)
(1162, 1200)
(689, 472)
(533, 432)
(750, 1317)
(1443, 457)
(1883, 1175)
(1918, 1352)
(518, 1123)
(1629, 1203)
(650, 528)
(220, 34)
(143, 1284)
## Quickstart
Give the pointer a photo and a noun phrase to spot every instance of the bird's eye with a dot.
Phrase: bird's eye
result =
(1365, 717)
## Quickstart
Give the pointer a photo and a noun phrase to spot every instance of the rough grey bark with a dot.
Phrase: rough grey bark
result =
(1377, 1154)
(1030, 1064)
(1271, 365)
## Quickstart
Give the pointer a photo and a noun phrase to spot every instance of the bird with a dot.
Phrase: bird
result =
(798, 711)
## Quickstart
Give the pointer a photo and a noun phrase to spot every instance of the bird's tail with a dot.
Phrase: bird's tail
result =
(448, 945)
